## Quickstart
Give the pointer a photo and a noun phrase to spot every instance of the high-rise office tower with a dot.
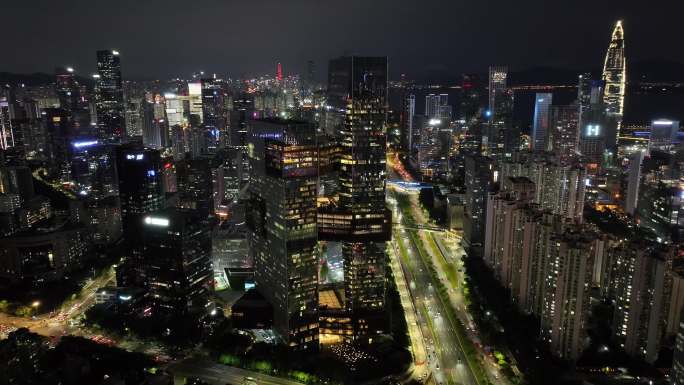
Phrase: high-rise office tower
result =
(564, 134)
(176, 245)
(592, 119)
(498, 76)
(195, 100)
(499, 135)
(134, 117)
(471, 103)
(6, 130)
(479, 177)
(243, 110)
(151, 127)
(663, 135)
(68, 90)
(584, 87)
(615, 76)
(407, 114)
(437, 106)
(59, 131)
(140, 192)
(362, 84)
(140, 185)
(282, 222)
(214, 113)
(177, 109)
(109, 96)
(633, 182)
(310, 73)
(430, 149)
(279, 72)
(93, 173)
(194, 178)
(661, 207)
(541, 125)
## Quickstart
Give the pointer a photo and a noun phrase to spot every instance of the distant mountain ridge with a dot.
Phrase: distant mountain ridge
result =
(34, 79)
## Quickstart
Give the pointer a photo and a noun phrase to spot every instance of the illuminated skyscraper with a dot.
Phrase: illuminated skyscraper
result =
(140, 192)
(542, 122)
(195, 100)
(6, 131)
(437, 106)
(499, 134)
(473, 88)
(361, 82)
(279, 72)
(140, 185)
(176, 245)
(407, 114)
(151, 131)
(633, 182)
(663, 135)
(67, 89)
(93, 173)
(479, 178)
(615, 76)
(195, 185)
(564, 135)
(282, 222)
(592, 118)
(243, 110)
(497, 83)
(109, 97)
(214, 113)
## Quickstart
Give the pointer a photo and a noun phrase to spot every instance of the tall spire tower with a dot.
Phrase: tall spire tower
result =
(279, 72)
(615, 75)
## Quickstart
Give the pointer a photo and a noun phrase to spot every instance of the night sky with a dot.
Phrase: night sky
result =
(424, 39)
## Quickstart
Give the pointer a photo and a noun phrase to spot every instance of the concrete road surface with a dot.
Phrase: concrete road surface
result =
(215, 373)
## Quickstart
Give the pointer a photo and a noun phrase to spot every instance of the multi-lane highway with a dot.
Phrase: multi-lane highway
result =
(418, 250)
(446, 360)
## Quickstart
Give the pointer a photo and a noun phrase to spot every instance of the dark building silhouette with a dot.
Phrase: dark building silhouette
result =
(109, 97)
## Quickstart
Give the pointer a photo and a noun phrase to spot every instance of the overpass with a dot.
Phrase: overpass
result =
(409, 186)
(418, 227)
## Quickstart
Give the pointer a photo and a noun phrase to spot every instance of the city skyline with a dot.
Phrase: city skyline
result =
(500, 228)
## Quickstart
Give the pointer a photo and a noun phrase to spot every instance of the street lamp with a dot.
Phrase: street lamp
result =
(35, 304)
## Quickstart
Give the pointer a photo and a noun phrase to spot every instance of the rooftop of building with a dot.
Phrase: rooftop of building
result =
(252, 298)
(330, 298)
(47, 226)
(519, 180)
(283, 121)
